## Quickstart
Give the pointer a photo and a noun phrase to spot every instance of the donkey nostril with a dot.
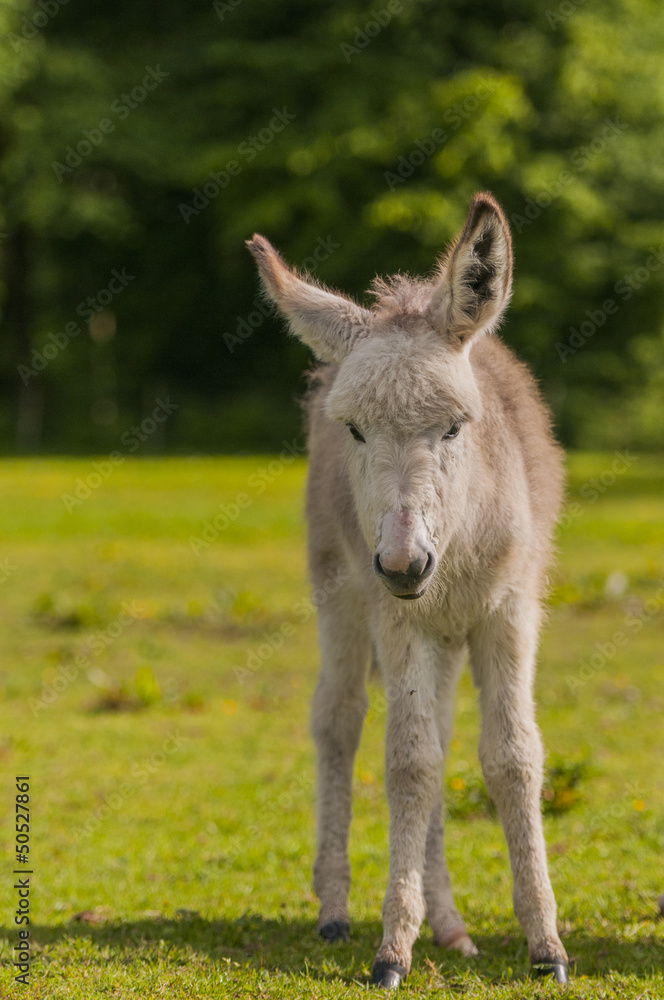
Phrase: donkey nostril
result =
(430, 565)
(377, 565)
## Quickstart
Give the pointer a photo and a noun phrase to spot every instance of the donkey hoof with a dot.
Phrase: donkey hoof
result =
(388, 975)
(556, 967)
(465, 945)
(335, 930)
(458, 939)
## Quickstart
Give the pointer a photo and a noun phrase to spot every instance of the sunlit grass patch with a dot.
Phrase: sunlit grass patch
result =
(172, 770)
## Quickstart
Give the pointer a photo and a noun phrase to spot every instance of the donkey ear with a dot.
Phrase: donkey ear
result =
(327, 322)
(475, 282)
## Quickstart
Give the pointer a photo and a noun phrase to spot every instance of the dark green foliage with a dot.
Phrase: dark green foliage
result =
(368, 146)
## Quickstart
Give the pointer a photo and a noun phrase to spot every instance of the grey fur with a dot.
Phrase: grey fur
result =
(483, 504)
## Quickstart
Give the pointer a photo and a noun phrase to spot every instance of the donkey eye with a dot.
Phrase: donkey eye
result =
(453, 431)
(354, 431)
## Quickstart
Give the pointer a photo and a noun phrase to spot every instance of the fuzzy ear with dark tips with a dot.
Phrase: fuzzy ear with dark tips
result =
(327, 322)
(475, 278)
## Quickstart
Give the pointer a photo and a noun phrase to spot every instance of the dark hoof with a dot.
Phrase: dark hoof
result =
(388, 975)
(335, 930)
(556, 967)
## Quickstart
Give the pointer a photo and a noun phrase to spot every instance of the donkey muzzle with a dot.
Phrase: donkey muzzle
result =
(404, 560)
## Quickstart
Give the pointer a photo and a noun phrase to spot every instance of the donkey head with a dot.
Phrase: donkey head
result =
(405, 388)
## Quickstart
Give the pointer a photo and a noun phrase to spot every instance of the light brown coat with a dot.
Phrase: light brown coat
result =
(434, 487)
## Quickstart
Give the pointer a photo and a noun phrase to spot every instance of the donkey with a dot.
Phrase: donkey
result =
(434, 487)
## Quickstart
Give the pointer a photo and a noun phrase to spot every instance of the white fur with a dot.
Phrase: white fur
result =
(485, 503)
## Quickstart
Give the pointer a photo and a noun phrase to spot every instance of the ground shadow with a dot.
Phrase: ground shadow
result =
(293, 946)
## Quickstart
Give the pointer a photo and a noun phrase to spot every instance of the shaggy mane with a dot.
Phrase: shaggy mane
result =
(400, 295)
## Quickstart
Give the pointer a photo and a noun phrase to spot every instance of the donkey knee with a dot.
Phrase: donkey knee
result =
(512, 763)
(337, 717)
(415, 771)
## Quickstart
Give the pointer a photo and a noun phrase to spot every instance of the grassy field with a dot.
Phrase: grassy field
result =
(156, 674)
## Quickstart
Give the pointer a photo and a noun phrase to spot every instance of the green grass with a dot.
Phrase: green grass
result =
(194, 856)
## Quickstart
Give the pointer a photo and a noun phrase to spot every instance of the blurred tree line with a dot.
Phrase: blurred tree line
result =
(141, 145)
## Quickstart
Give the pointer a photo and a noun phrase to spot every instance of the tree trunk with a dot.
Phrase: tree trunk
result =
(30, 390)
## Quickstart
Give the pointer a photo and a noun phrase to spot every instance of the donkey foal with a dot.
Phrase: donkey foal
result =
(434, 487)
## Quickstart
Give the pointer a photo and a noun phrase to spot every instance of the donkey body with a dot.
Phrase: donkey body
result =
(434, 487)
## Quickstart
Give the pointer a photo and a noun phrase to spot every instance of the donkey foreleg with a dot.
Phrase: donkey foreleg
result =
(413, 768)
(339, 707)
(447, 924)
(502, 654)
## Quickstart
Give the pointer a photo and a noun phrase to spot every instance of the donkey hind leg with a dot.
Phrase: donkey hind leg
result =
(446, 922)
(339, 707)
(503, 655)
